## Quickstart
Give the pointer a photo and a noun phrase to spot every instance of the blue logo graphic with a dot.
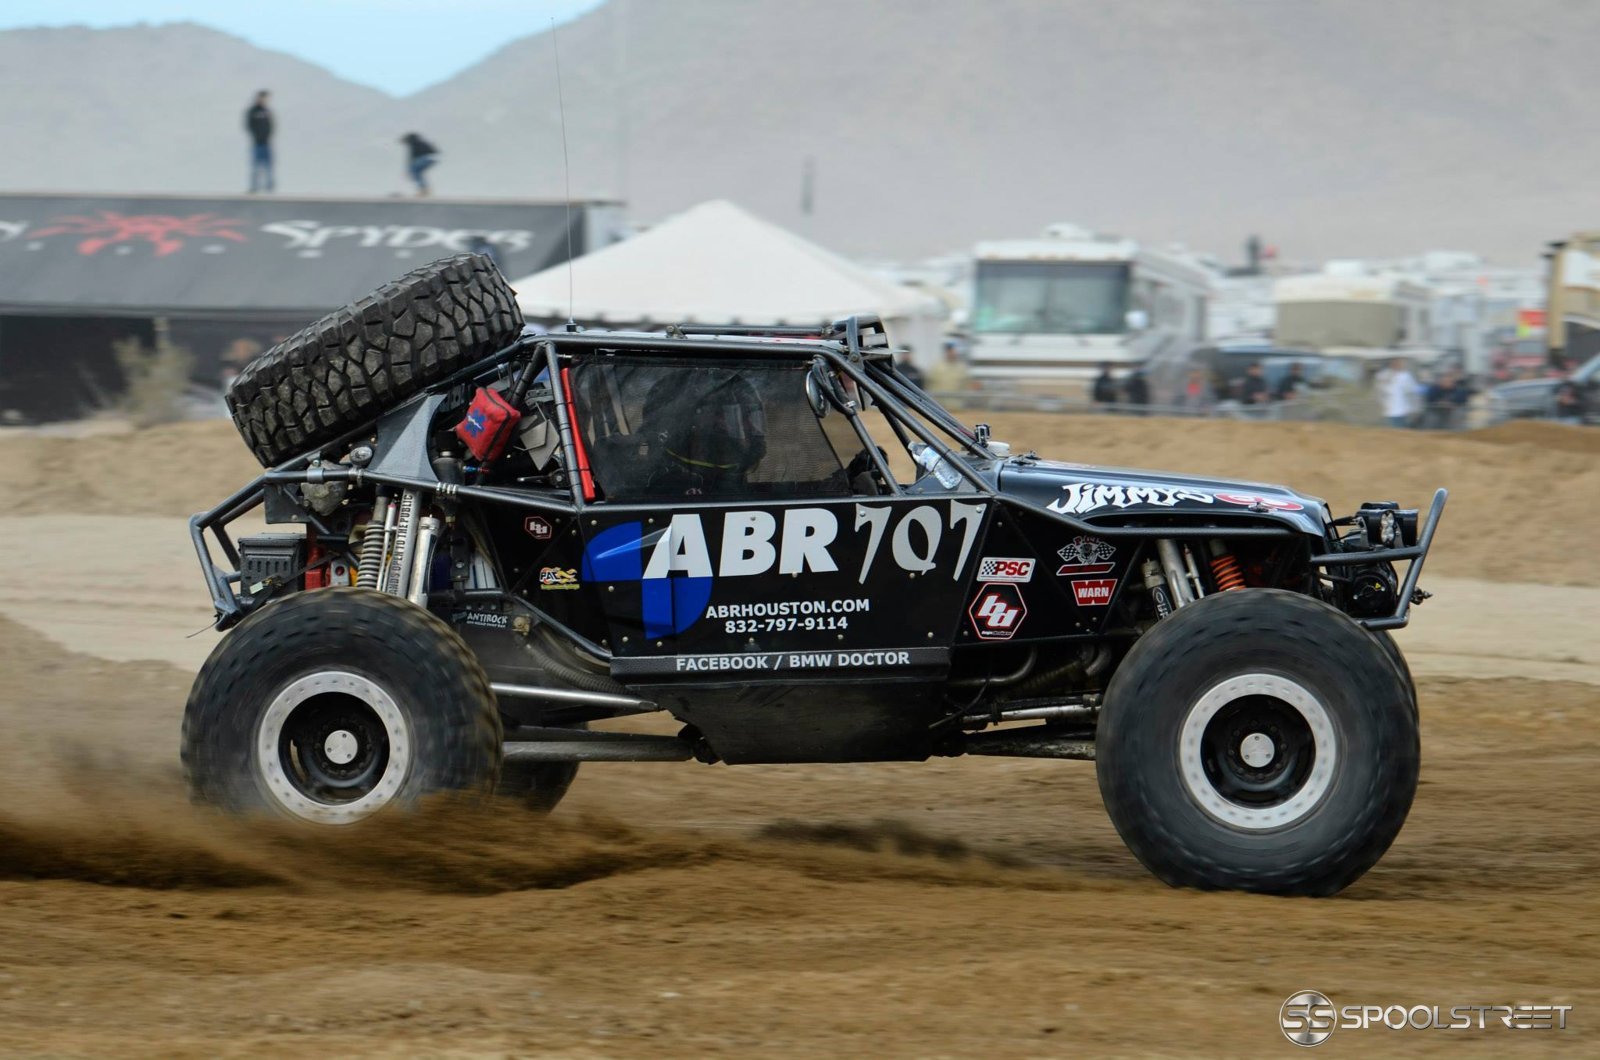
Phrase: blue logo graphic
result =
(670, 605)
(475, 422)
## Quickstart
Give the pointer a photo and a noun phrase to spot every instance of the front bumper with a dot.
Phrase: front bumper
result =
(1416, 554)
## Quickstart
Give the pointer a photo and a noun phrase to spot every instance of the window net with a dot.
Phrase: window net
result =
(660, 429)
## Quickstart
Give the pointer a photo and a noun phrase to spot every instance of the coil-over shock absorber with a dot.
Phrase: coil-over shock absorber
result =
(375, 540)
(1225, 569)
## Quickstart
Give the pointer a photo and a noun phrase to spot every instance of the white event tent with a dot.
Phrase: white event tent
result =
(717, 264)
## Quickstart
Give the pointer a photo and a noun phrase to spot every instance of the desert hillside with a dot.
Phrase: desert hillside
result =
(1340, 127)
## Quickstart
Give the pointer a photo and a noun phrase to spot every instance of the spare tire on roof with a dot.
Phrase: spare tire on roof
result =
(334, 375)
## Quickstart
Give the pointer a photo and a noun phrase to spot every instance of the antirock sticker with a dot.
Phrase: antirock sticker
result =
(481, 619)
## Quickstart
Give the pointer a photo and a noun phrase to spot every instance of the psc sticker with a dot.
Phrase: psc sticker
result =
(1005, 569)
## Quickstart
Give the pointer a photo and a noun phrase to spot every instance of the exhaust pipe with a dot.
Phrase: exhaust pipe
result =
(1035, 742)
(619, 705)
(578, 745)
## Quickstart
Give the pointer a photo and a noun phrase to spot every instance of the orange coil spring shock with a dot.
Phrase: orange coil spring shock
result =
(1225, 568)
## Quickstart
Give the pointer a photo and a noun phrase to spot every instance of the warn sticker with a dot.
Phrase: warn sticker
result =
(1004, 569)
(998, 612)
(1094, 592)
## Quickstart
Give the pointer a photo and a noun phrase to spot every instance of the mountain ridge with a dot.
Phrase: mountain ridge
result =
(1344, 128)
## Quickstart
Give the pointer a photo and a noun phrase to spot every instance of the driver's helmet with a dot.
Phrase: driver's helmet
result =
(708, 421)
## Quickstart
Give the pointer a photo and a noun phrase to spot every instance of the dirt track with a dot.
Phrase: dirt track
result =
(954, 908)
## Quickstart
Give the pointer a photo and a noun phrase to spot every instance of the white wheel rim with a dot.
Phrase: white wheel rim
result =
(283, 789)
(1315, 785)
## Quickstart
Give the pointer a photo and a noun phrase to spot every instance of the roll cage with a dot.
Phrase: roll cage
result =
(856, 349)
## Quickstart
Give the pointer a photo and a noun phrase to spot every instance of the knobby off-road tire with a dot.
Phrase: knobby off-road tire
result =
(331, 705)
(341, 371)
(1386, 641)
(1258, 740)
(538, 786)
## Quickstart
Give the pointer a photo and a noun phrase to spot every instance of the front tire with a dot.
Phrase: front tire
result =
(1258, 740)
(1386, 641)
(329, 706)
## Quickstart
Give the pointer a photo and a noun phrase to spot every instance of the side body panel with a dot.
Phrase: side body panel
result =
(780, 591)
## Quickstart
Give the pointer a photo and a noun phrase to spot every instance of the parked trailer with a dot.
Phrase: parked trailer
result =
(1053, 309)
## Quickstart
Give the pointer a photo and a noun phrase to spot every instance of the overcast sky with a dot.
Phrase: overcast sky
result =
(399, 46)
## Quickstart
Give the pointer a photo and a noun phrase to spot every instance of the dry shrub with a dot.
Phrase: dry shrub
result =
(156, 379)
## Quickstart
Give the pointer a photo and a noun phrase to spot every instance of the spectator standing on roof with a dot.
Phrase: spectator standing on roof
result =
(1105, 387)
(420, 156)
(258, 123)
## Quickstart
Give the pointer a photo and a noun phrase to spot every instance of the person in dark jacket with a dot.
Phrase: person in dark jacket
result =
(1569, 402)
(258, 123)
(1105, 387)
(1253, 387)
(1137, 390)
(1292, 386)
(420, 155)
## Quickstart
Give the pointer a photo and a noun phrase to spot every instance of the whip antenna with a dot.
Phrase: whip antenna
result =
(566, 170)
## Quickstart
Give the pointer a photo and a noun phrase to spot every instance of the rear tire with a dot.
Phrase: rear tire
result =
(538, 786)
(1258, 740)
(343, 370)
(329, 706)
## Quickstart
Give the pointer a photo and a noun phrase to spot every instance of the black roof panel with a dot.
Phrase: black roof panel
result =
(159, 253)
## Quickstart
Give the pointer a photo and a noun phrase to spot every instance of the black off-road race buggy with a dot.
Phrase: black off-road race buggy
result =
(770, 535)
